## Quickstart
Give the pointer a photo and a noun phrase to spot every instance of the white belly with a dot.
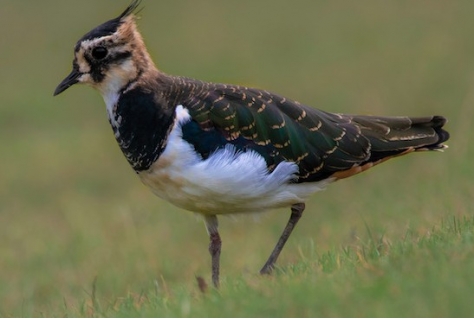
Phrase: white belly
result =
(227, 182)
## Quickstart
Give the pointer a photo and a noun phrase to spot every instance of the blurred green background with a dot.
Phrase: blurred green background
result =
(72, 210)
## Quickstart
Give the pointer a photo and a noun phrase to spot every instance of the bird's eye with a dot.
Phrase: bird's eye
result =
(99, 53)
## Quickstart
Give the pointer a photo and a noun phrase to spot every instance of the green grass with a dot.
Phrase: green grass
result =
(395, 241)
(417, 276)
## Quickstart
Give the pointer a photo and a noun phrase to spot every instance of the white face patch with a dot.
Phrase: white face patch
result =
(85, 78)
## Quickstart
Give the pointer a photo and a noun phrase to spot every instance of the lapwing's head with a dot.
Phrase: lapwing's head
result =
(109, 56)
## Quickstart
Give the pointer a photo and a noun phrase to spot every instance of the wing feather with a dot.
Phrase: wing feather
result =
(279, 129)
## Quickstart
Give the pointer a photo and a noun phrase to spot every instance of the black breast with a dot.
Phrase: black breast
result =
(144, 123)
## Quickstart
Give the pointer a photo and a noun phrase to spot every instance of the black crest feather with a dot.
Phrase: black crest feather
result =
(110, 26)
(130, 9)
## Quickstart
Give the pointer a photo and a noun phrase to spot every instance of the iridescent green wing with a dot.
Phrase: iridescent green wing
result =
(277, 128)
(322, 144)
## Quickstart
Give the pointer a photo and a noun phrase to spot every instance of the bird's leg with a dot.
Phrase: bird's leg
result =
(296, 212)
(214, 247)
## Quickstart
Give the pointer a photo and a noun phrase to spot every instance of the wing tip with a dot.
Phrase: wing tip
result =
(437, 123)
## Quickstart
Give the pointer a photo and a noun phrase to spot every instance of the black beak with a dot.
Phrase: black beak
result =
(70, 80)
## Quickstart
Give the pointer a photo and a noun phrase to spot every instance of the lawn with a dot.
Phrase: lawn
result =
(81, 236)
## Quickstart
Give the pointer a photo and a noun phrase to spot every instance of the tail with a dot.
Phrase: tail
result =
(394, 136)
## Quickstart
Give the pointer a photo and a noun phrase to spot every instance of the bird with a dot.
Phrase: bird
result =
(218, 149)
